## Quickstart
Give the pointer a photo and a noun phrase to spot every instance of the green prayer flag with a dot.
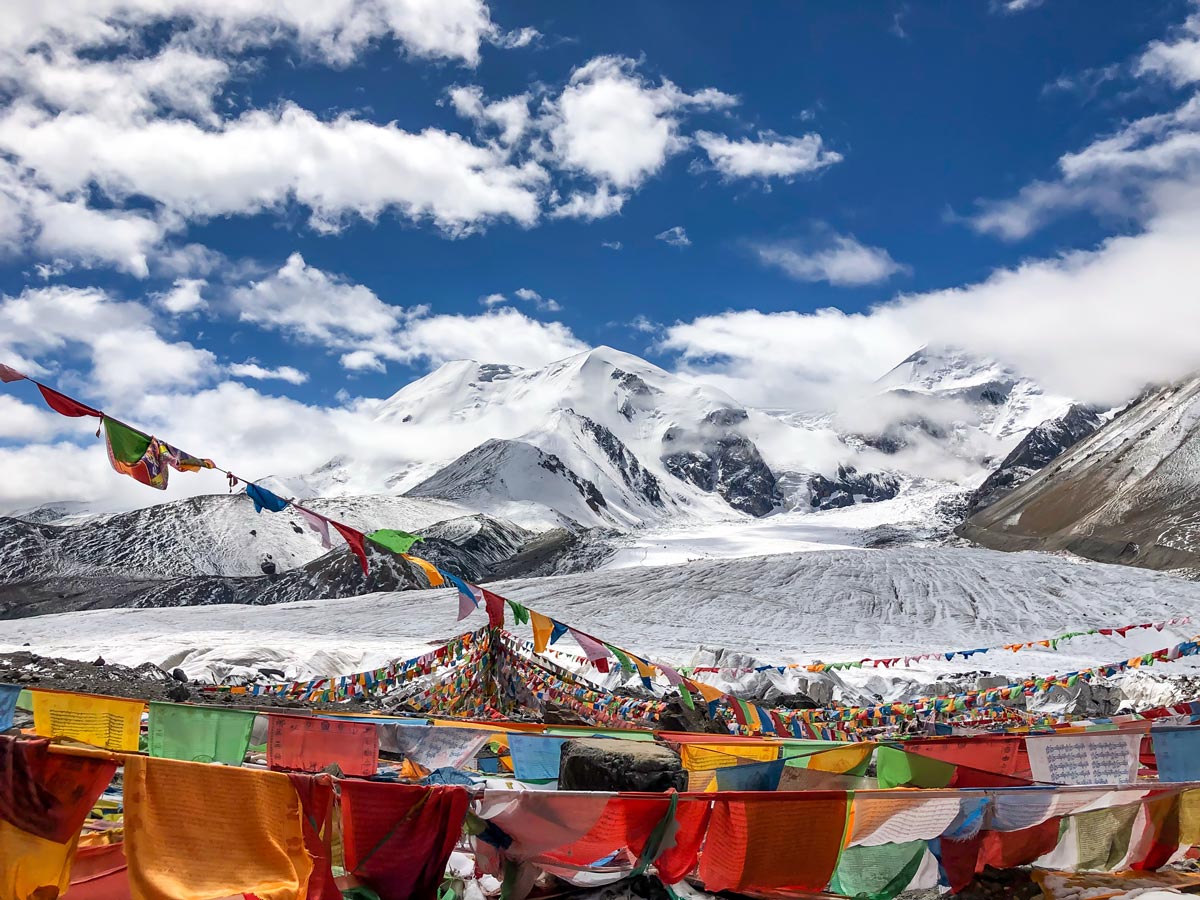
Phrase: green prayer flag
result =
(685, 697)
(625, 661)
(877, 873)
(798, 754)
(126, 444)
(895, 768)
(396, 541)
(199, 733)
(520, 613)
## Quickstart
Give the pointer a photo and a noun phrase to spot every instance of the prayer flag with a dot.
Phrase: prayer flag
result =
(769, 844)
(895, 768)
(1099, 758)
(8, 374)
(396, 541)
(33, 867)
(64, 405)
(194, 832)
(1178, 754)
(199, 733)
(48, 795)
(317, 523)
(182, 461)
(316, 804)
(137, 455)
(495, 608)
(264, 499)
(751, 777)
(354, 538)
(535, 757)
(107, 722)
(542, 628)
(398, 837)
(309, 744)
(432, 575)
(558, 631)
(592, 648)
(877, 873)
(8, 704)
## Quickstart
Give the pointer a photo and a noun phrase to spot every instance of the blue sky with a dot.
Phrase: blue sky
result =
(331, 195)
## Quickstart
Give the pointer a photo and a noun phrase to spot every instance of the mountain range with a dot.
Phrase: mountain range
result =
(513, 472)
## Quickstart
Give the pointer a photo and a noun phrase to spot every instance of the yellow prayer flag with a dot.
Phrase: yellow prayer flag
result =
(107, 722)
(543, 627)
(707, 691)
(1189, 817)
(32, 867)
(698, 757)
(196, 831)
(841, 760)
(430, 570)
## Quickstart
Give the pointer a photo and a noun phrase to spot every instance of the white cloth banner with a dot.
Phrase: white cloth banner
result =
(1097, 758)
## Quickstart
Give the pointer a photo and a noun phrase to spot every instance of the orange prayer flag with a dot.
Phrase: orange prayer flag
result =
(431, 573)
(196, 831)
(543, 627)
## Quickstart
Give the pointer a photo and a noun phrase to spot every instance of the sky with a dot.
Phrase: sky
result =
(242, 224)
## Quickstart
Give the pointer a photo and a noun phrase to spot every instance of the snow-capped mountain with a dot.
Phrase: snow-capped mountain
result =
(1129, 493)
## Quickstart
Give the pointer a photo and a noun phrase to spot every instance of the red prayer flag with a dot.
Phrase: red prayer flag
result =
(316, 800)
(8, 374)
(398, 837)
(495, 608)
(48, 794)
(309, 744)
(355, 540)
(64, 405)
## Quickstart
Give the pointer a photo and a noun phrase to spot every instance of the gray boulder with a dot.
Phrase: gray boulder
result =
(610, 764)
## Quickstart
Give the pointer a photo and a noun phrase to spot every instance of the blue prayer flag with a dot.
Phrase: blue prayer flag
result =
(8, 705)
(751, 777)
(264, 499)
(1178, 754)
(535, 757)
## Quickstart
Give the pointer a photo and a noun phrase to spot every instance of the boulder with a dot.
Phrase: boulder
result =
(611, 764)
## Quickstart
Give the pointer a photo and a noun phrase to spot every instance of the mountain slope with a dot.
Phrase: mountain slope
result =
(1129, 493)
(831, 605)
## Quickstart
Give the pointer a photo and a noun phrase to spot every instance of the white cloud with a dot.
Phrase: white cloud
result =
(838, 259)
(315, 306)
(1094, 325)
(1176, 60)
(675, 236)
(1015, 6)
(251, 369)
(45, 327)
(612, 245)
(545, 304)
(612, 124)
(510, 115)
(24, 422)
(520, 37)
(599, 204)
(362, 361)
(340, 168)
(501, 335)
(644, 325)
(122, 239)
(771, 156)
(333, 30)
(493, 300)
(185, 296)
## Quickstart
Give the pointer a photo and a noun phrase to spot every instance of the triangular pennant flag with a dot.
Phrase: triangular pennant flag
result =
(317, 523)
(622, 658)
(64, 405)
(543, 627)
(520, 613)
(396, 541)
(673, 677)
(495, 608)
(593, 649)
(8, 374)
(354, 538)
(432, 574)
(558, 631)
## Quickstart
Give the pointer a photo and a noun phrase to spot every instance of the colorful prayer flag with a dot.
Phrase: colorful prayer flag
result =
(396, 541)
(264, 499)
(107, 722)
(199, 733)
(64, 405)
(354, 538)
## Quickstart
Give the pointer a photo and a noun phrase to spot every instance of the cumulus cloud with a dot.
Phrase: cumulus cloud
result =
(264, 158)
(616, 126)
(1177, 59)
(597, 204)
(838, 259)
(1094, 325)
(185, 296)
(336, 31)
(543, 304)
(251, 369)
(676, 236)
(771, 156)
(509, 116)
